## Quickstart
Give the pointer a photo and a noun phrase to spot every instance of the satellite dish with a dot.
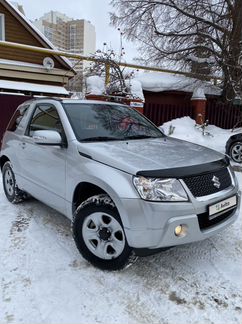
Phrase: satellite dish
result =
(48, 63)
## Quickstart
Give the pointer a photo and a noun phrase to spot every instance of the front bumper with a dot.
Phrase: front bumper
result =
(151, 225)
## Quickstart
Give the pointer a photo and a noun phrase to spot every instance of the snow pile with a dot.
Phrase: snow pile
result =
(77, 95)
(95, 85)
(162, 81)
(185, 129)
(135, 88)
(198, 93)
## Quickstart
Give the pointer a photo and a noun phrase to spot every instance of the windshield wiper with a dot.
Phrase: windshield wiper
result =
(100, 138)
(141, 137)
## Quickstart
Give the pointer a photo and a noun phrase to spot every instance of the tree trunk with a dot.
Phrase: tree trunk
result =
(232, 68)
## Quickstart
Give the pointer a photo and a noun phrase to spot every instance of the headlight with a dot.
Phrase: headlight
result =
(160, 189)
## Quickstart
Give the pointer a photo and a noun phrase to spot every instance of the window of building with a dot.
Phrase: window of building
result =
(72, 36)
(48, 33)
(2, 27)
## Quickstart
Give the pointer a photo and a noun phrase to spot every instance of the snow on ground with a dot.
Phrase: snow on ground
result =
(43, 278)
(184, 129)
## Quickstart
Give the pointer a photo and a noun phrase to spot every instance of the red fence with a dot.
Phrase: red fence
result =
(222, 115)
(219, 114)
(159, 113)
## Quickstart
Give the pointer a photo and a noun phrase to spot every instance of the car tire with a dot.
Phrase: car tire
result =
(99, 235)
(11, 190)
(235, 152)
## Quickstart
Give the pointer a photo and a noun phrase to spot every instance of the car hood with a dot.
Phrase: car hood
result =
(149, 154)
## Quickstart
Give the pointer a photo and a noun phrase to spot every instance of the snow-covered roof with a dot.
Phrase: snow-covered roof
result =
(161, 81)
(36, 31)
(96, 86)
(33, 87)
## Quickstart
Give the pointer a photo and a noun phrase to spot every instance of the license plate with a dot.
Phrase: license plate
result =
(222, 205)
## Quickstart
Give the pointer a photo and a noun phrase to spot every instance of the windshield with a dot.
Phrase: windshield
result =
(104, 122)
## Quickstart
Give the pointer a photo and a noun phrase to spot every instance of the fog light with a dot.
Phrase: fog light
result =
(181, 230)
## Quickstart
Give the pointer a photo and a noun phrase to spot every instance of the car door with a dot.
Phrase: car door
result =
(44, 167)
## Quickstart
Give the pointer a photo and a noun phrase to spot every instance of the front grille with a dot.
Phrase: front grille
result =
(204, 222)
(202, 185)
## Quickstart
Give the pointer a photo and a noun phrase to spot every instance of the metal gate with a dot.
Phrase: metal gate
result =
(219, 114)
(223, 115)
(8, 104)
(161, 113)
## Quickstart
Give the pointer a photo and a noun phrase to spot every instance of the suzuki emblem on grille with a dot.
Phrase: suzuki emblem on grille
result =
(216, 182)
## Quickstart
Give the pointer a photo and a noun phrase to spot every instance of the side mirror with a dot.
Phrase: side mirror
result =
(47, 137)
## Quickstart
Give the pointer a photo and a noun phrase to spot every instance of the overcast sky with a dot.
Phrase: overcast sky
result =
(94, 10)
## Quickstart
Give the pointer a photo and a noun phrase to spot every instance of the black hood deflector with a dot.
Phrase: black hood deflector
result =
(184, 172)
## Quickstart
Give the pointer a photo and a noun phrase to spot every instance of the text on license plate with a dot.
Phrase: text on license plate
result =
(222, 205)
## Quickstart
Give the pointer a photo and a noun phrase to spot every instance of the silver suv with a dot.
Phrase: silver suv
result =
(128, 189)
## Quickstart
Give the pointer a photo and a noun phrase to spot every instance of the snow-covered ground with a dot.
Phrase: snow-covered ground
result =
(45, 280)
(184, 129)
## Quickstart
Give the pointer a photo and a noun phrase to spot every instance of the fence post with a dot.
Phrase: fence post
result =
(199, 105)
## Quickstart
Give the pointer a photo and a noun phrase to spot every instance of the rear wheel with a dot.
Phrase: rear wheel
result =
(12, 192)
(235, 152)
(99, 234)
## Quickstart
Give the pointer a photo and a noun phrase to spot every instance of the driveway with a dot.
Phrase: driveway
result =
(43, 278)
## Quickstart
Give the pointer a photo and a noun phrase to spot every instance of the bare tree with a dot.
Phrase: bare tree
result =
(203, 36)
(106, 65)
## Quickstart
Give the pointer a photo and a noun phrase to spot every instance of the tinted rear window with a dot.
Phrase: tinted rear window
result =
(17, 117)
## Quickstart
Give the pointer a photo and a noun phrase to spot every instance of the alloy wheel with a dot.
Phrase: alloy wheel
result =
(236, 152)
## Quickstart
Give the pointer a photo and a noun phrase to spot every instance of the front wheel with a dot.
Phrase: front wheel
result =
(12, 192)
(99, 234)
(235, 151)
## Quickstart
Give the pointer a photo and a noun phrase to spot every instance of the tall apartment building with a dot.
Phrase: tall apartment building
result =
(75, 36)
(18, 6)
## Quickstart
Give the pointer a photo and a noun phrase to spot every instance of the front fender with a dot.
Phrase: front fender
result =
(116, 183)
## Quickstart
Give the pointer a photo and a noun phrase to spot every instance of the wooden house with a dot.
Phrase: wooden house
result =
(23, 74)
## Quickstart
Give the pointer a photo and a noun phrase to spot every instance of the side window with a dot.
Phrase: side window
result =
(45, 117)
(2, 27)
(17, 118)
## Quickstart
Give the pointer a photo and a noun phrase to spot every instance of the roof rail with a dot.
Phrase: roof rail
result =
(50, 98)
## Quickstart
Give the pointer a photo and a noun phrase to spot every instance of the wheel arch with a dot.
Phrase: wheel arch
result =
(125, 256)
(3, 160)
(232, 140)
(83, 191)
